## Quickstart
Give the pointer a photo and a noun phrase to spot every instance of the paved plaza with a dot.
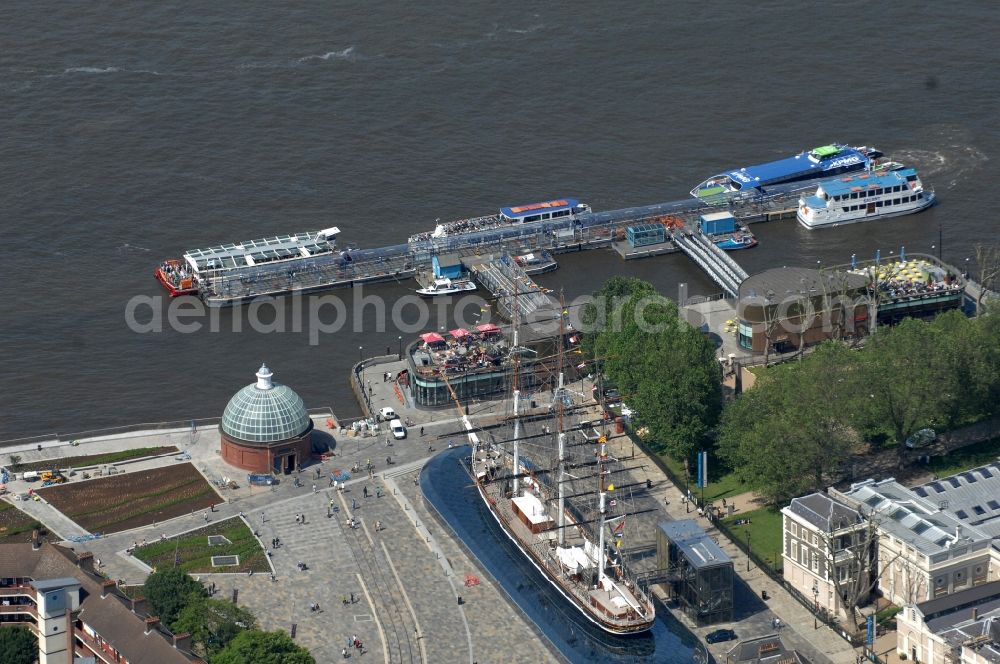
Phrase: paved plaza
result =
(403, 579)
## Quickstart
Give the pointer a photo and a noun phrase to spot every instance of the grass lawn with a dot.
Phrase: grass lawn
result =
(965, 458)
(765, 532)
(95, 459)
(195, 555)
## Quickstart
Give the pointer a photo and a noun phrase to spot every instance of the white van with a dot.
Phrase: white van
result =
(387, 414)
(398, 430)
(29, 475)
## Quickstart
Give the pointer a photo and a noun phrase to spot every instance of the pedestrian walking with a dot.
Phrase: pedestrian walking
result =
(352, 598)
(262, 518)
(344, 653)
(365, 492)
(206, 517)
(297, 519)
(315, 489)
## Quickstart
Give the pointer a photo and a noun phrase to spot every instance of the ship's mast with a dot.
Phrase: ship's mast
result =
(515, 380)
(602, 506)
(561, 436)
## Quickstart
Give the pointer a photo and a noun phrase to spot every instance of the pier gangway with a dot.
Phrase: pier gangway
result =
(512, 287)
(716, 263)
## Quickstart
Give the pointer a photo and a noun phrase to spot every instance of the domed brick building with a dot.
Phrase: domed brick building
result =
(266, 428)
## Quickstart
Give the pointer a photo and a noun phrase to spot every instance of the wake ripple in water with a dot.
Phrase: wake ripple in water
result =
(347, 54)
(952, 165)
(91, 70)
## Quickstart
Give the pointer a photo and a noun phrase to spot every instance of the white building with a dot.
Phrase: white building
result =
(823, 540)
(961, 628)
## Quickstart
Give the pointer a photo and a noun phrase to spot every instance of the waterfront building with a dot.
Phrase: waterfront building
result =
(266, 428)
(786, 308)
(475, 364)
(77, 614)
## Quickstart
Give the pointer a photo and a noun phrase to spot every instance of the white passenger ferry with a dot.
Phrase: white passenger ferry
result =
(865, 196)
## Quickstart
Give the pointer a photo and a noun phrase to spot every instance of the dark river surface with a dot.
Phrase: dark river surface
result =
(130, 132)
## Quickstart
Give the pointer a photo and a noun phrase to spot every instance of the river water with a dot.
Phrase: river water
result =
(133, 131)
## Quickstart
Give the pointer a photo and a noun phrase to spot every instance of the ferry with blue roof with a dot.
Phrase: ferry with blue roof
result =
(821, 162)
(863, 197)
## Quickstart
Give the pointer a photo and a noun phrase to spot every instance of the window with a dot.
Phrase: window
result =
(794, 528)
(815, 561)
(842, 573)
(795, 550)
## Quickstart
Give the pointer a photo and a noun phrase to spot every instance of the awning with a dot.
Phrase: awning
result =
(459, 333)
(432, 338)
(487, 328)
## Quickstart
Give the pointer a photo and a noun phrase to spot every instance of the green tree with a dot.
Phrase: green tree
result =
(170, 590)
(18, 646)
(597, 313)
(664, 368)
(907, 378)
(257, 647)
(791, 433)
(212, 623)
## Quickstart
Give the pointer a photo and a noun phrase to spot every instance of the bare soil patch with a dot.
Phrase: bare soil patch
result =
(130, 500)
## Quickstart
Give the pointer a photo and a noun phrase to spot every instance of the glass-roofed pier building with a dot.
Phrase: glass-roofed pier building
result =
(698, 572)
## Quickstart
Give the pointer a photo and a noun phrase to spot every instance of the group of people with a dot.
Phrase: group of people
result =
(460, 226)
(354, 642)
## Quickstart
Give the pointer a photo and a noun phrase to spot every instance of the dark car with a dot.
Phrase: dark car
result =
(720, 635)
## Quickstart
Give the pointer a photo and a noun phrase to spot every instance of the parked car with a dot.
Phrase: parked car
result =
(398, 430)
(387, 414)
(922, 438)
(720, 635)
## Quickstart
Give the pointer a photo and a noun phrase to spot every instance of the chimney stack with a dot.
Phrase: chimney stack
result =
(958, 532)
(105, 585)
(138, 604)
(85, 561)
(36, 543)
(151, 623)
(182, 641)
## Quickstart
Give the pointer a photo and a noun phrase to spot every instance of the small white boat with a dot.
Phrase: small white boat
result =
(446, 287)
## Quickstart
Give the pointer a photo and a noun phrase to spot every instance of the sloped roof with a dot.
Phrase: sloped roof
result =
(110, 616)
(824, 512)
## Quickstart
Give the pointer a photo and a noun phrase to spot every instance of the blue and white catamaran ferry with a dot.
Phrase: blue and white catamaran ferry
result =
(824, 161)
(864, 196)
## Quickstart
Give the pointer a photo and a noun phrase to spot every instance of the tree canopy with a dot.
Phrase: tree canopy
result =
(212, 623)
(18, 646)
(794, 431)
(170, 590)
(664, 368)
(258, 647)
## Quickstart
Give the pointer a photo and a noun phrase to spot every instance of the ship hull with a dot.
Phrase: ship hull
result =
(173, 290)
(543, 570)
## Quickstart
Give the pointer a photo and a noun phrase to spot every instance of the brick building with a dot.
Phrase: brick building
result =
(266, 428)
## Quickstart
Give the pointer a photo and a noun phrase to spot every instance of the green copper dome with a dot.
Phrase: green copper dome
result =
(265, 412)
